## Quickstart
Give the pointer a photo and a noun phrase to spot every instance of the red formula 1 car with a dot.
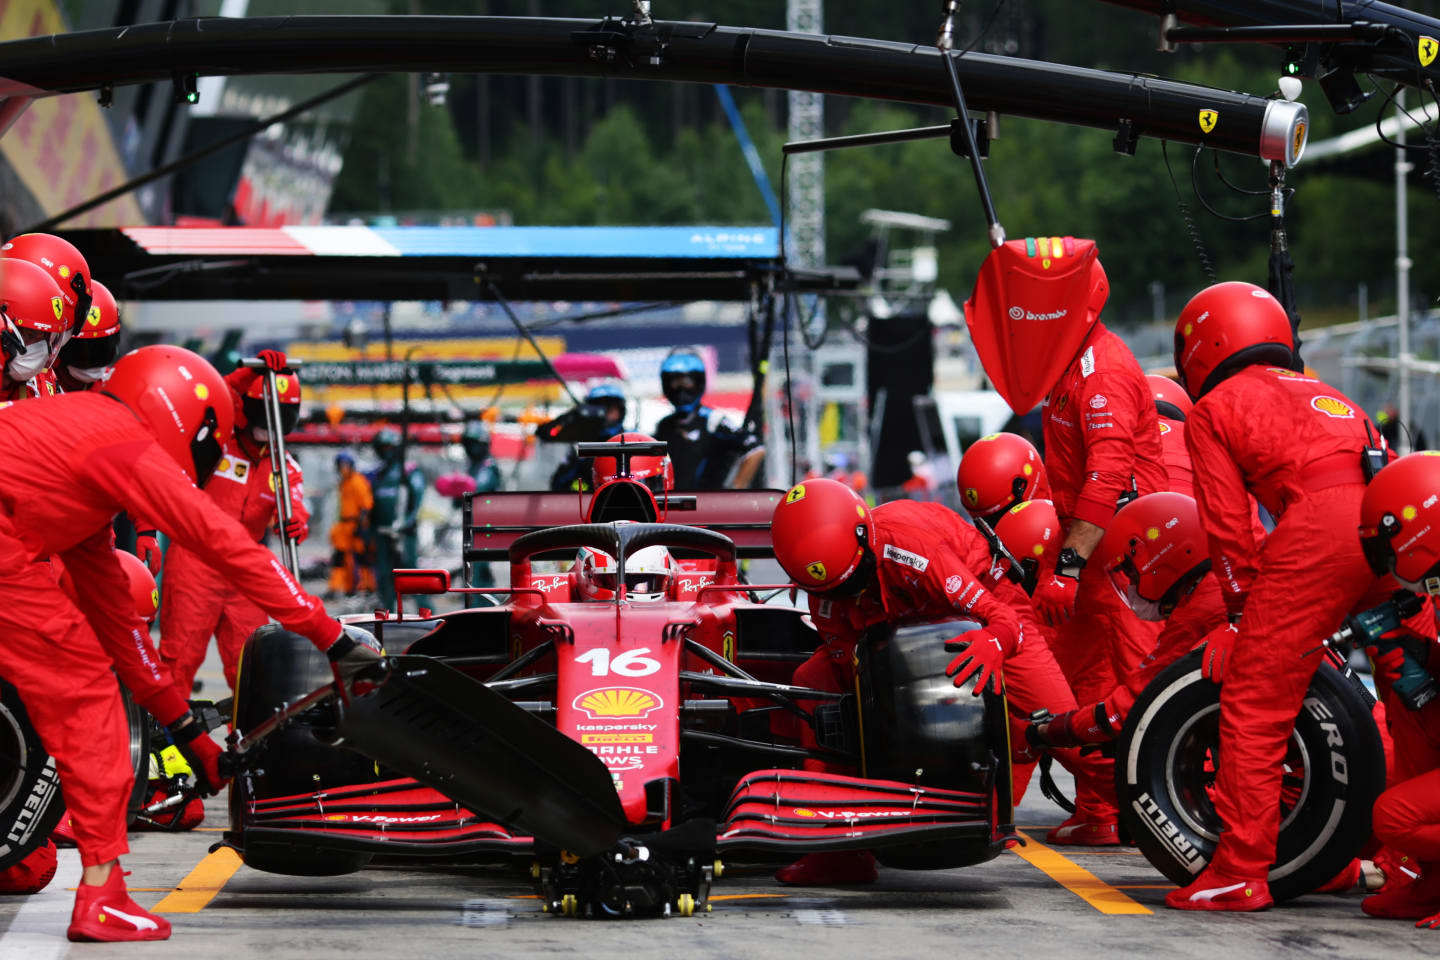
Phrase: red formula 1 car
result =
(620, 745)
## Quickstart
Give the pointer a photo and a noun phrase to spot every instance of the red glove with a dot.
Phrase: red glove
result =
(297, 530)
(147, 548)
(1386, 665)
(1219, 651)
(202, 753)
(274, 359)
(1055, 598)
(980, 651)
(1431, 922)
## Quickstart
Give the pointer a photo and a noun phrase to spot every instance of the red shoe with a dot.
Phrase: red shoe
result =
(105, 914)
(829, 869)
(1398, 869)
(32, 874)
(1344, 881)
(64, 832)
(1210, 891)
(1431, 922)
(1079, 832)
(1410, 901)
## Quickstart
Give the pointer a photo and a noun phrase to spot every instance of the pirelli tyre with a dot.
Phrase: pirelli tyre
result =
(279, 667)
(1164, 777)
(30, 803)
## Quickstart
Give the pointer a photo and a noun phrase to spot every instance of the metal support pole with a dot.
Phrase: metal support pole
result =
(289, 549)
(1402, 275)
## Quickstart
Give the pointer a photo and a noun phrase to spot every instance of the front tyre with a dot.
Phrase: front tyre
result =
(30, 803)
(1165, 762)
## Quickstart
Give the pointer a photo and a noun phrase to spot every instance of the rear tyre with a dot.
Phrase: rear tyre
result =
(30, 803)
(137, 721)
(278, 667)
(1164, 777)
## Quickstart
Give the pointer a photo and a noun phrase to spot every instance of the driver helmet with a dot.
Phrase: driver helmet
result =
(1155, 552)
(648, 573)
(609, 396)
(1399, 532)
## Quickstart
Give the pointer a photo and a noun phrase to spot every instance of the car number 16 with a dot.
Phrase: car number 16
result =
(631, 663)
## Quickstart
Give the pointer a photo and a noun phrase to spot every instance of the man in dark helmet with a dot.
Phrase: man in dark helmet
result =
(708, 451)
(399, 489)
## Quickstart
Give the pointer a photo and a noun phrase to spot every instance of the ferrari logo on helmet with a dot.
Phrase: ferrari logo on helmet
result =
(1425, 49)
(155, 598)
(1208, 119)
(797, 492)
(1020, 506)
(58, 306)
(92, 318)
(816, 570)
(1333, 407)
(282, 384)
(972, 496)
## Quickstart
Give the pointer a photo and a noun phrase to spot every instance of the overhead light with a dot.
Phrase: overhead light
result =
(185, 91)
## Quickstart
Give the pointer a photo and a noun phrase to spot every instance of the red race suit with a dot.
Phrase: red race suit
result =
(86, 458)
(1294, 443)
(197, 600)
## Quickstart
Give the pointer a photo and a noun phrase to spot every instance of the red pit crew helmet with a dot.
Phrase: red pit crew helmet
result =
(252, 405)
(30, 301)
(1155, 552)
(1400, 522)
(1034, 303)
(1226, 327)
(1030, 535)
(823, 533)
(142, 585)
(998, 472)
(180, 398)
(60, 259)
(648, 573)
(1171, 400)
(657, 473)
(97, 343)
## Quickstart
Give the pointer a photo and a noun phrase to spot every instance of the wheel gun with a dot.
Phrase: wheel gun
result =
(1416, 687)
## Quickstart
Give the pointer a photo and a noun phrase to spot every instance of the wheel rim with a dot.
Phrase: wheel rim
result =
(14, 756)
(1190, 774)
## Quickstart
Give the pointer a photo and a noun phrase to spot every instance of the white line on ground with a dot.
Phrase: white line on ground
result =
(37, 931)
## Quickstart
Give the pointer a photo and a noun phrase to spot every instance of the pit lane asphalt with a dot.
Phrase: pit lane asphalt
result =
(1006, 908)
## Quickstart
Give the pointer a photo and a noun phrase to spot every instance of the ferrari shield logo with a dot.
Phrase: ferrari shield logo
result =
(58, 306)
(796, 493)
(816, 570)
(1208, 119)
(1425, 49)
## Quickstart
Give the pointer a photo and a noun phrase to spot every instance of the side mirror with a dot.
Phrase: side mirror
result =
(411, 582)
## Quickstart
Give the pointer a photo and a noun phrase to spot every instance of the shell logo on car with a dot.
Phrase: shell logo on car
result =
(617, 703)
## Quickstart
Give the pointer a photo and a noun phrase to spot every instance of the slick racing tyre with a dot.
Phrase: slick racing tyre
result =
(279, 667)
(1165, 765)
(137, 722)
(30, 803)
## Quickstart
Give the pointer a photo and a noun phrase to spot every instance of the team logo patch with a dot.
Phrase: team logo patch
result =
(617, 702)
(91, 319)
(953, 583)
(240, 470)
(797, 492)
(1333, 407)
(1425, 50)
(912, 560)
(282, 384)
(57, 305)
(816, 570)
(972, 496)
(727, 645)
(1208, 119)
(1290, 374)
(1098, 402)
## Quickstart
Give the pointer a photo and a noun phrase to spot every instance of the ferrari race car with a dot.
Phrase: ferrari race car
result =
(620, 746)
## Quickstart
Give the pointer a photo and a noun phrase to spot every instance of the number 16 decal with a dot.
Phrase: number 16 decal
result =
(631, 663)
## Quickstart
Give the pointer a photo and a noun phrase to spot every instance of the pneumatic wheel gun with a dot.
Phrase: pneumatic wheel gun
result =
(1415, 687)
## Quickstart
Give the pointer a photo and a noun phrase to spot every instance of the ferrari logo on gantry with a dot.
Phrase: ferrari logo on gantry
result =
(1208, 119)
(1425, 49)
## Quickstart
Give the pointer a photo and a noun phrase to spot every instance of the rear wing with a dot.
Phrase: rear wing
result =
(493, 521)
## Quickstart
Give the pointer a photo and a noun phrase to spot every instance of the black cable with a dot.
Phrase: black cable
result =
(789, 395)
(985, 29)
(1191, 227)
(1380, 117)
(1195, 185)
(1220, 175)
